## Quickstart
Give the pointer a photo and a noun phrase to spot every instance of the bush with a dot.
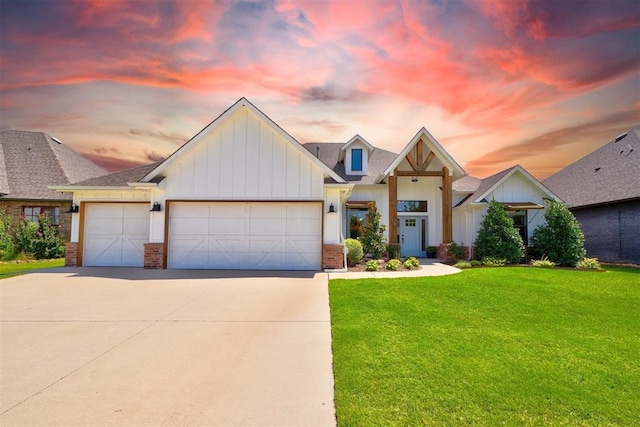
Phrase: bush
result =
(560, 239)
(475, 263)
(589, 264)
(411, 263)
(456, 251)
(393, 264)
(393, 249)
(372, 265)
(39, 238)
(544, 263)
(354, 251)
(497, 237)
(372, 237)
(7, 247)
(494, 262)
(462, 264)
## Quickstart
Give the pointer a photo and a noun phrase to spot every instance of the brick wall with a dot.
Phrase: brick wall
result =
(332, 257)
(70, 254)
(14, 208)
(154, 255)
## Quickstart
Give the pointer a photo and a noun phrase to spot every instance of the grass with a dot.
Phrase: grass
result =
(9, 269)
(491, 346)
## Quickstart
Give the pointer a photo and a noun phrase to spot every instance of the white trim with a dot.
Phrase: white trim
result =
(356, 137)
(72, 188)
(441, 153)
(214, 125)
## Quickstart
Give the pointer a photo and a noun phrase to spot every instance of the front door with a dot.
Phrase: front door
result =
(412, 230)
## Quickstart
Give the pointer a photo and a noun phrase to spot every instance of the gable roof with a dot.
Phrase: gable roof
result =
(118, 179)
(343, 149)
(466, 184)
(30, 161)
(489, 184)
(329, 154)
(435, 146)
(215, 124)
(609, 174)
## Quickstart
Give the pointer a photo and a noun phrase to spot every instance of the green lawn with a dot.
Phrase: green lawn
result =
(8, 269)
(490, 346)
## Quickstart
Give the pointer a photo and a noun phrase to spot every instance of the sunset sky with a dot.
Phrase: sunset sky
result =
(498, 83)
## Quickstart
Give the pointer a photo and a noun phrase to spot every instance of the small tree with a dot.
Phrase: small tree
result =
(561, 239)
(372, 238)
(497, 237)
(38, 239)
(7, 248)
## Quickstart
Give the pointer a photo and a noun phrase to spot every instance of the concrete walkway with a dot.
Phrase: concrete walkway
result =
(116, 346)
(429, 267)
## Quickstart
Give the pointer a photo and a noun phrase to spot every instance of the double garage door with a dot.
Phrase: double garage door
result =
(245, 235)
(209, 235)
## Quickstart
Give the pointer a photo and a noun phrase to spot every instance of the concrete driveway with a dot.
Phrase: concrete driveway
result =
(111, 346)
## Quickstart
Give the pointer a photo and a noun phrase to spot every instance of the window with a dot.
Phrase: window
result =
(31, 213)
(520, 223)
(356, 159)
(410, 222)
(356, 221)
(412, 206)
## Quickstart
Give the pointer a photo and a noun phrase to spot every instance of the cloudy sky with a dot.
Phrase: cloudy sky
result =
(497, 82)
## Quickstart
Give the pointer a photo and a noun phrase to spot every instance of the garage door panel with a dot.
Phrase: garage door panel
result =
(248, 235)
(190, 210)
(115, 234)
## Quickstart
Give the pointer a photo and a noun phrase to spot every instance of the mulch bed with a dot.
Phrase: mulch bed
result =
(382, 264)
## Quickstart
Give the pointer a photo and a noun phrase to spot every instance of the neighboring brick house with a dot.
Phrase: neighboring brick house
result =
(602, 190)
(29, 162)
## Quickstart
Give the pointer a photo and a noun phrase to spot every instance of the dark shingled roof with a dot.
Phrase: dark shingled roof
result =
(329, 152)
(467, 184)
(484, 186)
(119, 179)
(609, 174)
(31, 161)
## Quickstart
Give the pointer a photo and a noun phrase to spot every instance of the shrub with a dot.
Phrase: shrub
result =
(462, 264)
(497, 237)
(393, 264)
(39, 238)
(589, 264)
(7, 247)
(494, 262)
(354, 251)
(544, 263)
(456, 251)
(372, 237)
(432, 251)
(475, 263)
(560, 239)
(393, 249)
(372, 265)
(411, 263)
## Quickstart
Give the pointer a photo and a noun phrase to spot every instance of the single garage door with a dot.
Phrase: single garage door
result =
(245, 235)
(115, 234)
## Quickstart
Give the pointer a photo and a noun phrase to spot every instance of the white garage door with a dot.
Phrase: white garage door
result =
(245, 235)
(115, 234)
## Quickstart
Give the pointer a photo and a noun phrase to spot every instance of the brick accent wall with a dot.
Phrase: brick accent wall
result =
(154, 256)
(14, 208)
(70, 254)
(332, 257)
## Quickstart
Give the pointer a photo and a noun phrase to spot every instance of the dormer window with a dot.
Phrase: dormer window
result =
(356, 159)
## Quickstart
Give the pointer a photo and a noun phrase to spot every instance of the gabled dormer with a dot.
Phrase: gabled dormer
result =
(355, 155)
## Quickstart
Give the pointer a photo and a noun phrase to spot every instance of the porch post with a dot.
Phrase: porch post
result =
(393, 208)
(447, 210)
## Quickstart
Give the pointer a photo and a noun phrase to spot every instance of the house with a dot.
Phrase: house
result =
(29, 162)
(244, 194)
(602, 190)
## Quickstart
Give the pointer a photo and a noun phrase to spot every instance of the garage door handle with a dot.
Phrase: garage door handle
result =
(403, 239)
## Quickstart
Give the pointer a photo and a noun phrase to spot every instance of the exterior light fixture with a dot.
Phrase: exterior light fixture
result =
(332, 209)
(74, 208)
(414, 179)
(156, 207)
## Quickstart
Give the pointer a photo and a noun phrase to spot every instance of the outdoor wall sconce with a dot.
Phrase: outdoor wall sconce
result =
(74, 208)
(414, 179)
(156, 207)
(332, 209)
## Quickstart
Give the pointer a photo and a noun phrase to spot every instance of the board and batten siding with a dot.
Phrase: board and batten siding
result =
(244, 159)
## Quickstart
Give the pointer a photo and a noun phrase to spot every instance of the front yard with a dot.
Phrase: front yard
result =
(14, 268)
(515, 346)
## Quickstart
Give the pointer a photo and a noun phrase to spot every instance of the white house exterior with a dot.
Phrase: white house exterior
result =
(244, 194)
